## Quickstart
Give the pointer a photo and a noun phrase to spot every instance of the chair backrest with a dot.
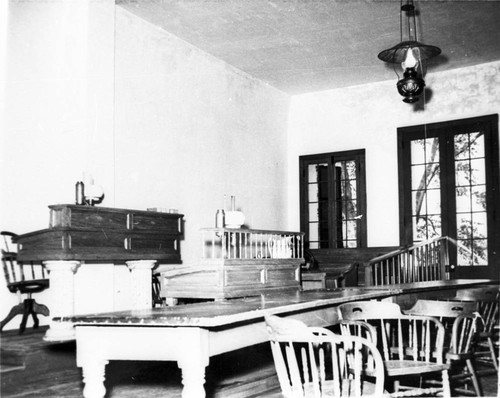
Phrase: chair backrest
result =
(464, 333)
(399, 336)
(442, 309)
(17, 273)
(315, 362)
(459, 319)
(487, 299)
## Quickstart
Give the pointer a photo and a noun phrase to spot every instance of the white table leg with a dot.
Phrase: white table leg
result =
(61, 298)
(193, 376)
(93, 376)
(141, 283)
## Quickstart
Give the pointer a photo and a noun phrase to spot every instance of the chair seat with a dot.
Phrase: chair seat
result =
(410, 367)
(31, 286)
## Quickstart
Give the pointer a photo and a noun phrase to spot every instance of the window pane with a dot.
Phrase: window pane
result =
(349, 190)
(477, 145)
(312, 192)
(425, 151)
(313, 171)
(469, 145)
(351, 229)
(464, 226)
(418, 177)
(425, 176)
(480, 252)
(426, 227)
(350, 169)
(462, 173)
(313, 212)
(313, 232)
(433, 201)
(419, 203)
(417, 152)
(464, 254)
(462, 195)
(478, 174)
(479, 198)
(479, 225)
(461, 146)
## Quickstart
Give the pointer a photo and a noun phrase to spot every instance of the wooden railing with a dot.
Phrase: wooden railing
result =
(239, 244)
(425, 261)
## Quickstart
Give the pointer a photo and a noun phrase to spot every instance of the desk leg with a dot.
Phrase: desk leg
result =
(62, 298)
(93, 377)
(193, 377)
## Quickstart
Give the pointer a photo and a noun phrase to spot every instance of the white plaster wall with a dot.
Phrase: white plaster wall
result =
(57, 110)
(368, 116)
(189, 128)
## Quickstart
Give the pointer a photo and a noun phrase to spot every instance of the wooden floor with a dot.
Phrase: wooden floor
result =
(31, 367)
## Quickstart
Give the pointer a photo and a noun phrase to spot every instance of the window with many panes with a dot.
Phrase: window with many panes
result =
(449, 186)
(333, 199)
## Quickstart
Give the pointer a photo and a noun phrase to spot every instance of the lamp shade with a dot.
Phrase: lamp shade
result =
(397, 54)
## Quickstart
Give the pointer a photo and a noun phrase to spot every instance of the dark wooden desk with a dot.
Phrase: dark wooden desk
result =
(81, 235)
(103, 234)
(191, 334)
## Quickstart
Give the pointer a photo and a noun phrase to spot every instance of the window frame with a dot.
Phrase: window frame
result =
(445, 131)
(330, 158)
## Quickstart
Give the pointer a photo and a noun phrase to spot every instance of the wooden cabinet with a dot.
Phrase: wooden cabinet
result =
(238, 263)
(89, 233)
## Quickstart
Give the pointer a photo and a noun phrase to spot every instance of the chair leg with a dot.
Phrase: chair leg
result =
(446, 384)
(475, 381)
(40, 309)
(26, 312)
(492, 352)
(16, 310)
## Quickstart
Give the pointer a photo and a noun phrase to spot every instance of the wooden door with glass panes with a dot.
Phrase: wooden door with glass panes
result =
(449, 186)
(333, 199)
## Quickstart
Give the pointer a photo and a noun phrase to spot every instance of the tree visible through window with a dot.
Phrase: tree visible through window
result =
(450, 172)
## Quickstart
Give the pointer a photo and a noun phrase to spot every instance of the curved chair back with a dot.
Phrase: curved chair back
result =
(410, 344)
(487, 299)
(315, 362)
(442, 309)
(22, 279)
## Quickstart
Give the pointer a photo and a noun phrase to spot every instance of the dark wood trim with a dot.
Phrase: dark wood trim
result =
(358, 155)
(445, 131)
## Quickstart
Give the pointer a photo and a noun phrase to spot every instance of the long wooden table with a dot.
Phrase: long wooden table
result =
(191, 334)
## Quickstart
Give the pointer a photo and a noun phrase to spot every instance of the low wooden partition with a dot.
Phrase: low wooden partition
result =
(237, 263)
(332, 268)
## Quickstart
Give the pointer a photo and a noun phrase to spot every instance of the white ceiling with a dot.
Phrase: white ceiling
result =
(303, 46)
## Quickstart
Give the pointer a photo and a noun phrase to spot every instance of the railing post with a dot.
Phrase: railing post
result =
(368, 275)
(444, 258)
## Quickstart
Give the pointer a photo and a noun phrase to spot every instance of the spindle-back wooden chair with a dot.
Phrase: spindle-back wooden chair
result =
(315, 362)
(487, 299)
(411, 346)
(461, 322)
(22, 279)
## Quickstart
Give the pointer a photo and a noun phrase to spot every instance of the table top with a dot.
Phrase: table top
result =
(212, 314)
(226, 312)
(436, 285)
